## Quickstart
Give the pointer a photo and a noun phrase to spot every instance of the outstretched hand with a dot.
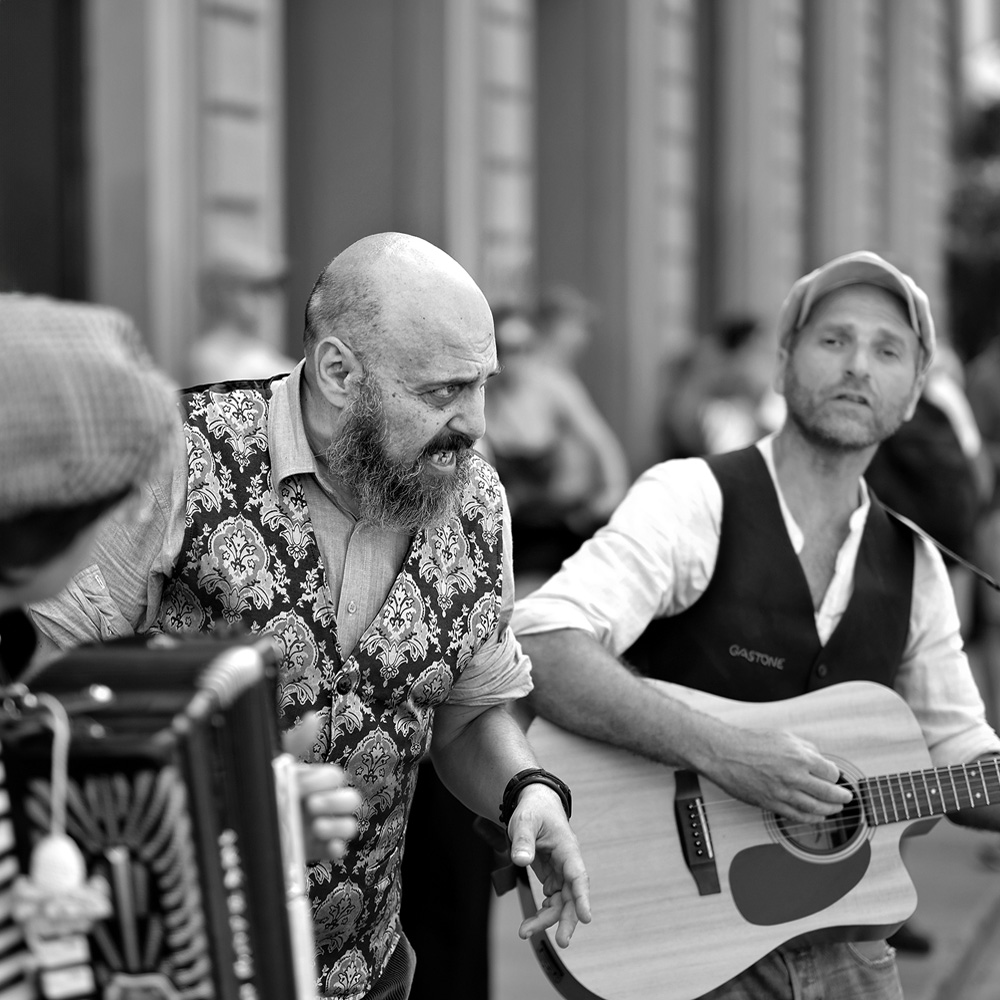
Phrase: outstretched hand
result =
(776, 770)
(541, 836)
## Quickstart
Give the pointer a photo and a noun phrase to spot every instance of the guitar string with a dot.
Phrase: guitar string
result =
(891, 806)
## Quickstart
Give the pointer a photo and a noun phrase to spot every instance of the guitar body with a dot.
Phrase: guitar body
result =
(655, 932)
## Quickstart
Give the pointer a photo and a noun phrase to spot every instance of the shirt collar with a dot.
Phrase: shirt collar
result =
(288, 443)
(857, 520)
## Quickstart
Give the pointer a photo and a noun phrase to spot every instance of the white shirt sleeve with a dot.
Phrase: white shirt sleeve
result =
(654, 558)
(934, 677)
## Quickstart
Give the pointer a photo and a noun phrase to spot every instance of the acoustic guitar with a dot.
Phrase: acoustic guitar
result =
(690, 886)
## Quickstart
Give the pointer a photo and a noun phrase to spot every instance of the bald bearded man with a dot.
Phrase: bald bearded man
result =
(342, 510)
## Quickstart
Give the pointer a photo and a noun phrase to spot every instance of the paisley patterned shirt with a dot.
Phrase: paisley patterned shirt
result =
(250, 556)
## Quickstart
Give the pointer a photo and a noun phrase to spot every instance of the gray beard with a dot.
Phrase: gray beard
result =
(391, 494)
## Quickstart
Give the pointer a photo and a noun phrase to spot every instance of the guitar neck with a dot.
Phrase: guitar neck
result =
(894, 798)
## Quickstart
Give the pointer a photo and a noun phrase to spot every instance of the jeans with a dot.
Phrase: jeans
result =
(864, 970)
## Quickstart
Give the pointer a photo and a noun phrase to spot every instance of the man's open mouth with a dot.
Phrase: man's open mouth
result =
(442, 459)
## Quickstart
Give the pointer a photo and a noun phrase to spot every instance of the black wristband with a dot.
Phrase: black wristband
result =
(533, 776)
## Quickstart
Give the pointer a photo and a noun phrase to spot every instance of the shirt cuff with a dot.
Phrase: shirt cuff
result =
(499, 672)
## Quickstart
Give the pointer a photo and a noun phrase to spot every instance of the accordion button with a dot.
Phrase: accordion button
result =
(343, 684)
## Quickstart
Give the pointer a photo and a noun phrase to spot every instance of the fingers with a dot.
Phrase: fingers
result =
(329, 806)
(560, 909)
(810, 801)
(329, 836)
(823, 768)
(319, 778)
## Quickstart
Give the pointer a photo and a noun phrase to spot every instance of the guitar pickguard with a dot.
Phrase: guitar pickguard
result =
(769, 886)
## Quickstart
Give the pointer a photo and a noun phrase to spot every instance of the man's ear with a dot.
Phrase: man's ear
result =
(778, 382)
(334, 362)
(918, 388)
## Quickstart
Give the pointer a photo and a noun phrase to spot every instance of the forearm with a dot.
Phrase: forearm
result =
(580, 686)
(481, 757)
(583, 688)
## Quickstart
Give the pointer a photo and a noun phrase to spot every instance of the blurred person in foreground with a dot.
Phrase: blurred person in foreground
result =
(778, 549)
(341, 510)
(85, 422)
(563, 468)
(83, 419)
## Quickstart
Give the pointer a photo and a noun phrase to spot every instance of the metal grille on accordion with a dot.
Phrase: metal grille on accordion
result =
(186, 813)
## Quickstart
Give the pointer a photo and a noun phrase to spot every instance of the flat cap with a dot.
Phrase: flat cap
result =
(859, 268)
(84, 413)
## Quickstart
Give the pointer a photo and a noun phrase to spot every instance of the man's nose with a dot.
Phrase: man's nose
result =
(859, 361)
(470, 417)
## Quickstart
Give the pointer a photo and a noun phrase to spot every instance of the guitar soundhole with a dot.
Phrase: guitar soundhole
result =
(830, 836)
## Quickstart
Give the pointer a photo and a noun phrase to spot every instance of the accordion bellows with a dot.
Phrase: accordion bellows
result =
(180, 799)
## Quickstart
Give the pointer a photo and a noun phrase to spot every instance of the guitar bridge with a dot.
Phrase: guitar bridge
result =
(695, 835)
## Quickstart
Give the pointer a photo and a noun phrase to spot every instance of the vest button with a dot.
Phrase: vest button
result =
(822, 670)
(343, 684)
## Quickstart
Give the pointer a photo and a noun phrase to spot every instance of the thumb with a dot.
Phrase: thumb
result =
(522, 846)
(300, 739)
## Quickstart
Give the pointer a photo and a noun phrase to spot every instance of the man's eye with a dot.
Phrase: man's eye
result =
(445, 392)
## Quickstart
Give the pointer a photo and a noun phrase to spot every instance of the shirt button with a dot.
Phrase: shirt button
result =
(352, 608)
(822, 670)
(343, 684)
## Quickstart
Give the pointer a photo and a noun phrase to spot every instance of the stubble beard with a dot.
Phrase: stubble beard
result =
(830, 433)
(393, 493)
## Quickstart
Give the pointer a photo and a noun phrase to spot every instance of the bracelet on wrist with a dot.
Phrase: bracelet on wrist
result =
(533, 776)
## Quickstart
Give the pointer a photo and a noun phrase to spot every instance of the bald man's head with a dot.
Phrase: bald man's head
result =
(350, 296)
(399, 346)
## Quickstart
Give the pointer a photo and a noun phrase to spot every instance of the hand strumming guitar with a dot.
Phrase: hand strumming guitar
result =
(772, 769)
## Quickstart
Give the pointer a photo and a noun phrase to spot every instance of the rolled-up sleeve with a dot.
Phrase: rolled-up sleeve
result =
(934, 677)
(655, 557)
(136, 547)
(499, 671)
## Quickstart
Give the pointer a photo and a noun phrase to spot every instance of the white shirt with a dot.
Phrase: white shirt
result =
(656, 557)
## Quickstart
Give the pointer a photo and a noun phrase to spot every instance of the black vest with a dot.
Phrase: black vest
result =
(752, 634)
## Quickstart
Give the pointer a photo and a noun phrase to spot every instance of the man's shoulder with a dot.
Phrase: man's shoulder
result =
(483, 481)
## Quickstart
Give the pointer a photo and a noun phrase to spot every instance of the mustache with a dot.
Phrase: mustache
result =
(449, 441)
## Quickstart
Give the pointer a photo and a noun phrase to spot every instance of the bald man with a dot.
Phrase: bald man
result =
(341, 509)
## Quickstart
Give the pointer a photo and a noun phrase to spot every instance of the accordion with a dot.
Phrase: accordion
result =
(186, 813)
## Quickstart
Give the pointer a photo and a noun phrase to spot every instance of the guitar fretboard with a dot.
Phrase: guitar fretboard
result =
(891, 798)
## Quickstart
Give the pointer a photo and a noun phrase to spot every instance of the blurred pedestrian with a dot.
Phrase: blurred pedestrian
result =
(719, 395)
(561, 464)
(232, 345)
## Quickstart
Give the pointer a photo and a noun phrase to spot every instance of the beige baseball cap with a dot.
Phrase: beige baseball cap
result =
(859, 268)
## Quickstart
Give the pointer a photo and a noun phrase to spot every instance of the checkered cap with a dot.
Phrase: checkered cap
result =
(83, 412)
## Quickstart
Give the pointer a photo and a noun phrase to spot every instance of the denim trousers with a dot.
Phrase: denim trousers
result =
(865, 970)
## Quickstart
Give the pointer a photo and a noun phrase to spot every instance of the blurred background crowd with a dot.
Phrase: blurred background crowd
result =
(633, 183)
